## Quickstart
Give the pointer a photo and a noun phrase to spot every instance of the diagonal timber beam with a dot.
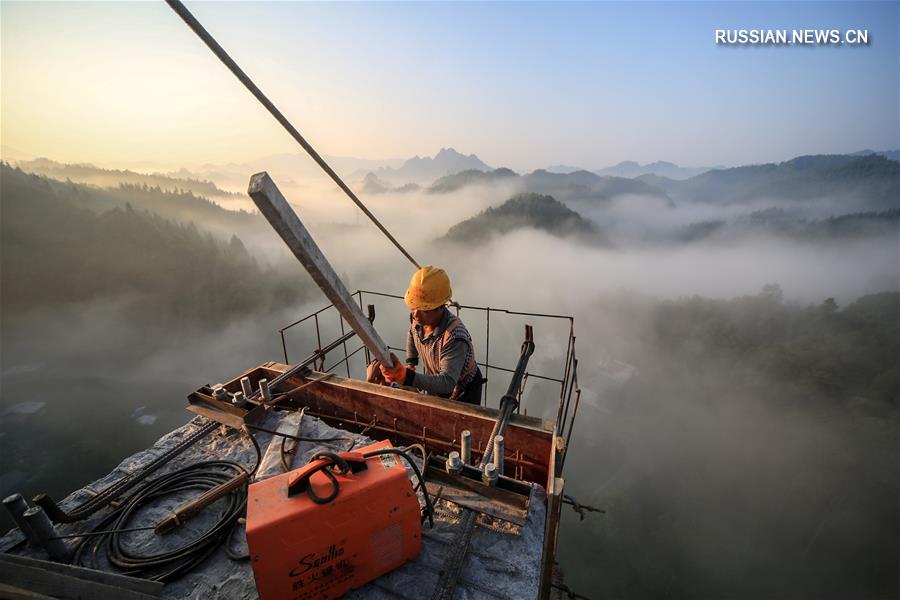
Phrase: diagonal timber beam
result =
(287, 224)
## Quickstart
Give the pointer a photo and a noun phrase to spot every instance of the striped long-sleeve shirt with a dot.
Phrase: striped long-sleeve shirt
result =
(446, 363)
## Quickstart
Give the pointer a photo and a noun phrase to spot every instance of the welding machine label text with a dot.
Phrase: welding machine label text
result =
(314, 561)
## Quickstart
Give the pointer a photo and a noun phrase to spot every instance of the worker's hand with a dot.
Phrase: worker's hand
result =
(396, 373)
(373, 373)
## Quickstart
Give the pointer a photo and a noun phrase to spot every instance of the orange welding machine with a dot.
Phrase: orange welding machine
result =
(333, 525)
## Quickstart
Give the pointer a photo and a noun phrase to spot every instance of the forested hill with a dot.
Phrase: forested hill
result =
(457, 181)
(524, 211)
(93, 175)
(55, 251)
(179, 205)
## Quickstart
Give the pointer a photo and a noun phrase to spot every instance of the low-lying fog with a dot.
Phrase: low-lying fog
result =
(717, 481)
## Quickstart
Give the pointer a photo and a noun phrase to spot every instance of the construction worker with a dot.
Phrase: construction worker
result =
(439, 339)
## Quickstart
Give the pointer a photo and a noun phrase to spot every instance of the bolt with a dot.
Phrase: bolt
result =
(246, 386)
(498, 454)
(490, 474)
(454, 464)
(465, 447)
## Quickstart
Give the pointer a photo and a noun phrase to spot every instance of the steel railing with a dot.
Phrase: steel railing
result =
(568, 381)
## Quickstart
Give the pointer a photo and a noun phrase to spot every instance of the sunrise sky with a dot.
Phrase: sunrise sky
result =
(521, 85)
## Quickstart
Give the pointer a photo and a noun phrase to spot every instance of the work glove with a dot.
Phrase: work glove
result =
(396, 373)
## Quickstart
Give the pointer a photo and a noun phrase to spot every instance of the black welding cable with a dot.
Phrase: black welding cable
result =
(298, 438)
(328, 468)
(429, 508)
(258, 451)
(284, 452)
(170, 565)
(422, 451)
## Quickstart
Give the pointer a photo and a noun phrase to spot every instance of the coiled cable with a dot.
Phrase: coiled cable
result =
(170, 565)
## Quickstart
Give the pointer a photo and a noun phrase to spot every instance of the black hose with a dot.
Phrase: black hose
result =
(170, 565)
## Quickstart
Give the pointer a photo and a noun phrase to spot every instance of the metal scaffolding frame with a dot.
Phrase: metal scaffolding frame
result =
(568, 381)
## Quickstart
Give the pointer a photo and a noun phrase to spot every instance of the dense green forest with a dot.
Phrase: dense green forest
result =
(525, 210)
(57, 250)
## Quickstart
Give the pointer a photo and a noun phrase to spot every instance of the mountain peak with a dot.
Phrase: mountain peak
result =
(447, 161)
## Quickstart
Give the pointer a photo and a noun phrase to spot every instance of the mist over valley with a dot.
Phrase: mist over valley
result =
(737, 338)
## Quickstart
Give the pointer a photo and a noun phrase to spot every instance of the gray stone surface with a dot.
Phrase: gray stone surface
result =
(503, 561)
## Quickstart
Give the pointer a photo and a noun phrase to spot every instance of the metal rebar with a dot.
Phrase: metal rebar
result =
(487, 353)
(118, 488)
(346, 358)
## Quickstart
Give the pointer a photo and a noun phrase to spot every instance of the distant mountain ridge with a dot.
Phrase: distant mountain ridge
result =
(864, 182)
(426, 169)
(891, 154)
(372, 184)
(574, 187)
(632, 169)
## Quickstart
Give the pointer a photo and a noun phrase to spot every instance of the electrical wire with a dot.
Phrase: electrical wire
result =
(429, 507)
(108, 534)
(334, 463)
(298, 438)
(170, 565)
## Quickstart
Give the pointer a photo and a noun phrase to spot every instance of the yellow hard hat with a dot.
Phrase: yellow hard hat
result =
(428, 289)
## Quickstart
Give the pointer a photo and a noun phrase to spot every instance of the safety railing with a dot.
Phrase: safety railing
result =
(569, 390)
